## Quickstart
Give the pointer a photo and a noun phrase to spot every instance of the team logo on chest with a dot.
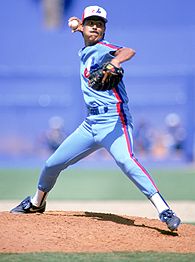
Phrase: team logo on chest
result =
(86, 73)
(89, 66)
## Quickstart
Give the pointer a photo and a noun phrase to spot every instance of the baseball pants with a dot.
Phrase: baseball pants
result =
(107, 131)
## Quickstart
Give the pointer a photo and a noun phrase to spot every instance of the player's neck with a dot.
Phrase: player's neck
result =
(91, 43)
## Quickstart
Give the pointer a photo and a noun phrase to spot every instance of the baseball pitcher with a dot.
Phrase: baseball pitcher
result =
(108, 123)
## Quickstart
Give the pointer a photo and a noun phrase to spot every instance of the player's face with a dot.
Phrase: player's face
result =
(93, 31)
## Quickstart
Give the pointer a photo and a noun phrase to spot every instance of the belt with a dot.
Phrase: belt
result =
(97, 110)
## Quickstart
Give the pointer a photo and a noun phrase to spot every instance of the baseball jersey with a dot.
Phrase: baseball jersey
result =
(93, 57)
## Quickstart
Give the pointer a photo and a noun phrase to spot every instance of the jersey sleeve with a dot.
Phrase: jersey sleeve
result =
(106, 51)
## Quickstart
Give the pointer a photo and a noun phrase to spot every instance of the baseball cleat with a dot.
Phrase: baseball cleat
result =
(170, 218)
(26, 207)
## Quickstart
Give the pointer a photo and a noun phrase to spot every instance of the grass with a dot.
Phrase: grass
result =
(99, 257)
(97, 184)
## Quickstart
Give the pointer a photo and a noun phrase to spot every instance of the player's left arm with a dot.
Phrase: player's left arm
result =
(121, 55)
(110, 73)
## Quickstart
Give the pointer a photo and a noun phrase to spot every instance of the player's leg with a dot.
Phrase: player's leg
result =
(77, 146)
(73, 149)
(120, 144)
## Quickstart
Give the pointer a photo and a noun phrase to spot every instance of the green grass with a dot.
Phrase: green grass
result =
(97, 184)
(98, 257)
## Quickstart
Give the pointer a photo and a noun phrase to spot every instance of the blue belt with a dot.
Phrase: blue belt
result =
(97, 110)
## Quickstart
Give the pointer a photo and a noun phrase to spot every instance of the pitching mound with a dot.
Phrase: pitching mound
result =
(90, 232)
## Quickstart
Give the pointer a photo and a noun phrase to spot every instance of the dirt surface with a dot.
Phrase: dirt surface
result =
(90, 232)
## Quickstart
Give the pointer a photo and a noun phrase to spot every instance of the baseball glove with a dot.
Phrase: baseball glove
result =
(106, 77)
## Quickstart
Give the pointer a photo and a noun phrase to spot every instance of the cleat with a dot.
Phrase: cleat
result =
(26, 207)
(170, 218)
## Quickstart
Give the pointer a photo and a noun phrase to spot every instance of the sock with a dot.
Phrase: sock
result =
(158, 201)
(39, 198)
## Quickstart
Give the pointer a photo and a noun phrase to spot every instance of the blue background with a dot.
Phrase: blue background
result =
(39, 69)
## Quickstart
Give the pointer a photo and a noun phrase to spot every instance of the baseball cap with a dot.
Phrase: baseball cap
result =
(94, 10)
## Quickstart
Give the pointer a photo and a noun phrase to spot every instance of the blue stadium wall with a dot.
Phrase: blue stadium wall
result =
(39, 67)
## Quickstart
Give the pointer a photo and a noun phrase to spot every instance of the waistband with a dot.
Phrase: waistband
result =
(104, 109)
(97, 110)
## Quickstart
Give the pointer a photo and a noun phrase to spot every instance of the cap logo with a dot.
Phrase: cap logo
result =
(98, 11)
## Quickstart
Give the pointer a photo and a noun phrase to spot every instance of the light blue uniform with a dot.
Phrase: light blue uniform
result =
(108, 125)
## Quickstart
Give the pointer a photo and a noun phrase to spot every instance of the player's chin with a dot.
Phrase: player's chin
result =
(95, 38)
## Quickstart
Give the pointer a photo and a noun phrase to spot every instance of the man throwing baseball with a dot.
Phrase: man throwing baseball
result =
(108, 123)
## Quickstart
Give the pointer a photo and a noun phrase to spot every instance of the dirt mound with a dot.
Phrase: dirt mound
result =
(90, 232)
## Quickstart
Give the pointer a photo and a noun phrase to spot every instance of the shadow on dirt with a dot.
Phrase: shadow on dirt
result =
(122, 220)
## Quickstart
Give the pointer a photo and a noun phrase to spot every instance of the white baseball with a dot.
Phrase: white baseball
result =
(73, 24)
